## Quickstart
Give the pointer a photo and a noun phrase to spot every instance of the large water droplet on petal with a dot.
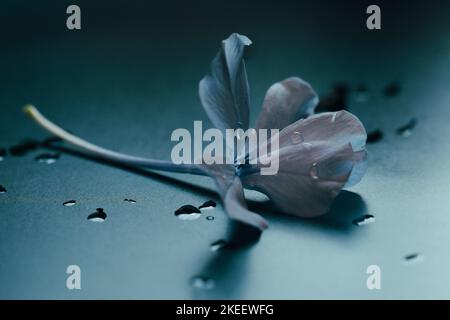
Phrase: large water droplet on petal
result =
(297, 137)
(307, 145)
(313, 172)
(2, 189)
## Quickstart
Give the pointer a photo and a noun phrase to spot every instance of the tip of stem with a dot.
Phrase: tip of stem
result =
(29, 109)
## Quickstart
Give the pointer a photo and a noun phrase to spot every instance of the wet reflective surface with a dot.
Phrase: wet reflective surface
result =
(127, 85)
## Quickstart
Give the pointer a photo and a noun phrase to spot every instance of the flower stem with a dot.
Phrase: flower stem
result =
(110, 155)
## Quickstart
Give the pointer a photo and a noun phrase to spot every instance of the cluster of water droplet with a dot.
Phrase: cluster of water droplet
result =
(190, 212)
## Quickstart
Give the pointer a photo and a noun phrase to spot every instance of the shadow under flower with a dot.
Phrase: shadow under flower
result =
(228, 268)
(347, 207)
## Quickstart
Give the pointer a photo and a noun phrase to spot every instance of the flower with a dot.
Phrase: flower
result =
(318, 154)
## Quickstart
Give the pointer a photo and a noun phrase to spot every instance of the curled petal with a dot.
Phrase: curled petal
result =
(231, 191)
(286, 102)
(236, 207)
(317, 157)
(224, 92)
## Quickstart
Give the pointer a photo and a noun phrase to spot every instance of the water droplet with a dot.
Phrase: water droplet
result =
(2, 189)
(47, 158)
(188, 212)
(297, 137)
(364, 220)
(313, 172)
(392, 90)
(2, 154)
(201, 282)
(407, 129)
(24, 147)
(98, 216)
(129, 200)
(210, 218)
(413, 258)
(218, 245)
(208, 205)
(374, 136)
(69, 203)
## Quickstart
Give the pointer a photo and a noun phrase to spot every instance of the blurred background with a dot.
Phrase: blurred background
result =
(130, 76)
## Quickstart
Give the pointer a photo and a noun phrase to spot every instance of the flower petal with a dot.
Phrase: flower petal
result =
(286, 102)
(224, 92)
(230, 190)
(317, 157)
(236, 206)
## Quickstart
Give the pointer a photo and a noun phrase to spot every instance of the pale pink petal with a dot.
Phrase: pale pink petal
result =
(224, 92)
(286, 102)
(230, 189)
(316, 158)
